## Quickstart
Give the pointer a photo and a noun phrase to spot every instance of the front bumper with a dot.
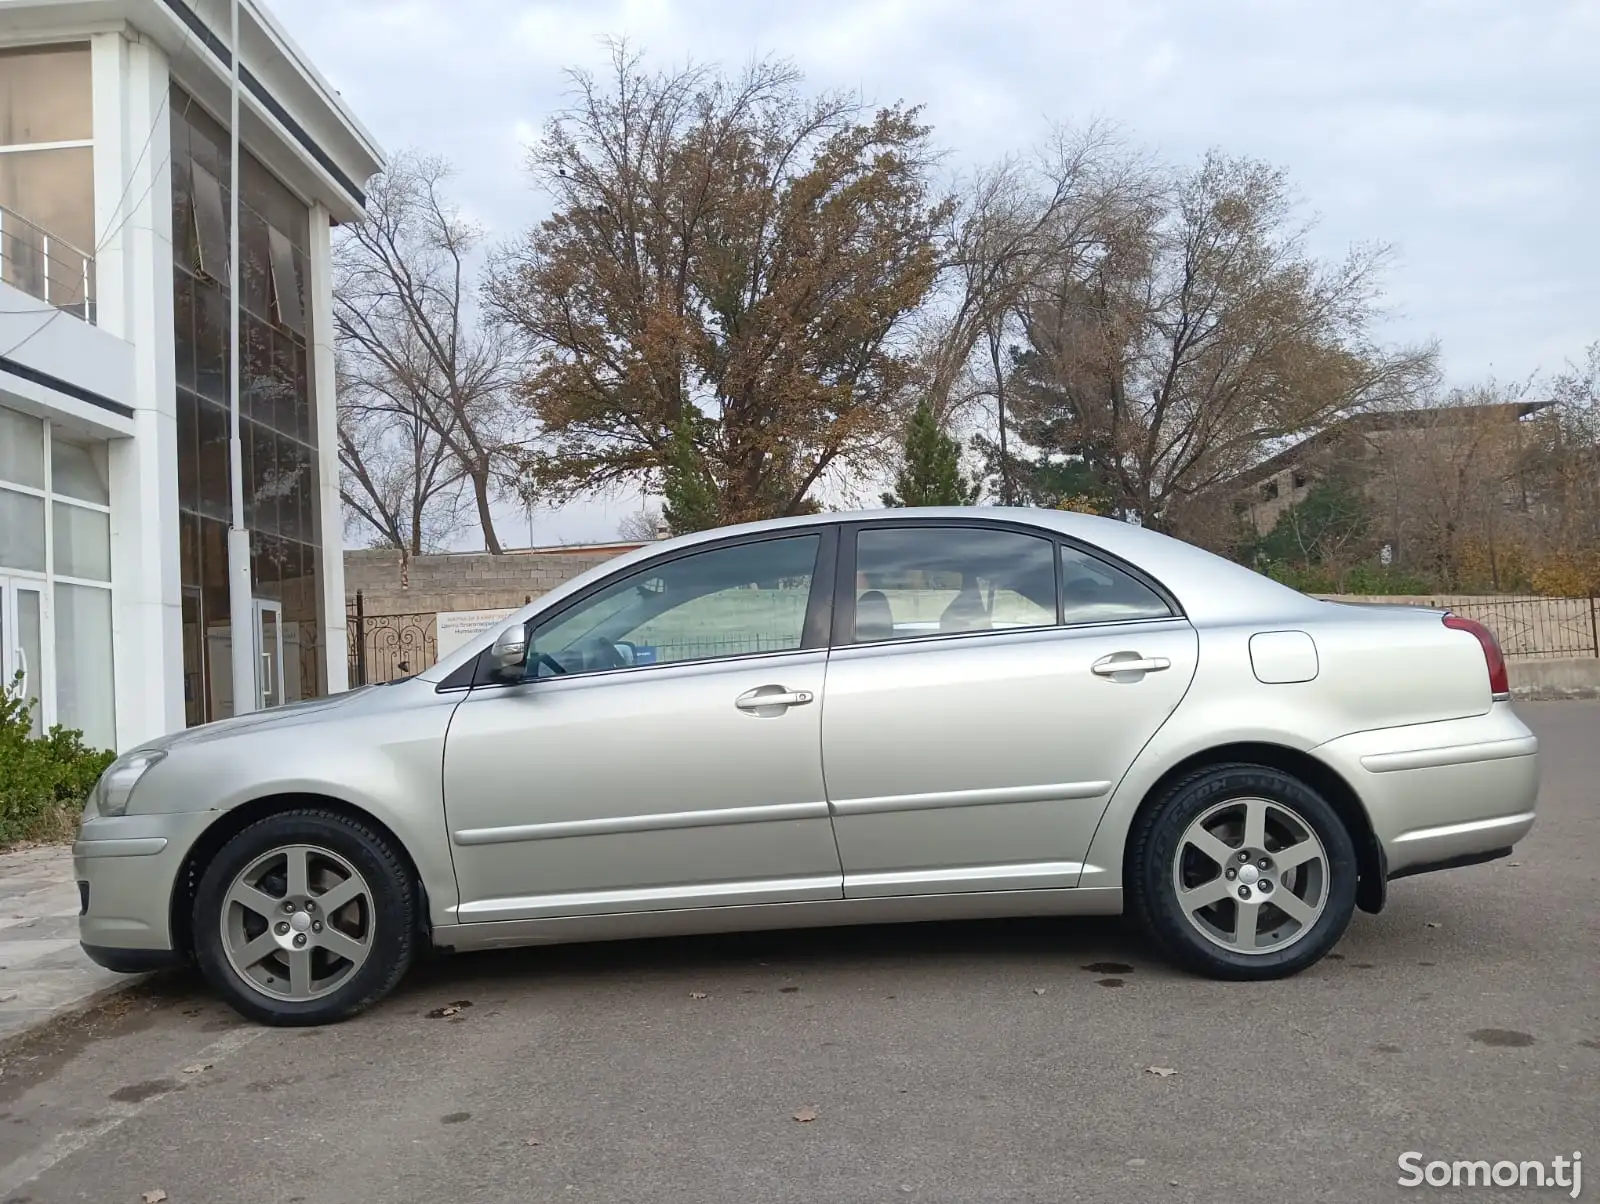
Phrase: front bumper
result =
(126, 868)
(1443, 794)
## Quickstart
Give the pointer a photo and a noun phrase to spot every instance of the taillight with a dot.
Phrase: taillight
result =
(1499, 680)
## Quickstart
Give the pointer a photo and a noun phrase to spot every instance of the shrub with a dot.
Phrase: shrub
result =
(43, 780)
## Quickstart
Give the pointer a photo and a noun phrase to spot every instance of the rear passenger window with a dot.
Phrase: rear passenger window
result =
(916, 581)
(1093, 591)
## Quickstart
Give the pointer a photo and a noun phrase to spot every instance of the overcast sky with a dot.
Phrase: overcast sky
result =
(1464, 132)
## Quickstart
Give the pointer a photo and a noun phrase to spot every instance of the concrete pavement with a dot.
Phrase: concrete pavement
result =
(960, 1063)
(42, 970)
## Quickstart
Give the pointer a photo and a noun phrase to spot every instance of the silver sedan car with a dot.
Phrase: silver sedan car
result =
(838, 719)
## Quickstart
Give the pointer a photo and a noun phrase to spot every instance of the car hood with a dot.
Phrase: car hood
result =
(312, 710)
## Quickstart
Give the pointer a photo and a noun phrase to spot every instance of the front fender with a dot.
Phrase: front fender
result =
(386, 761)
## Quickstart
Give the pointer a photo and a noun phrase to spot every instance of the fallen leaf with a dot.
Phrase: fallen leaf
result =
(1433, 923)
(530, 1141)
(698, 995)
(1162, 1072)
(806, 1115)
(197, 1068)
(153, 1197)
(449, 1009)
(1513, 863)
(1038, 990)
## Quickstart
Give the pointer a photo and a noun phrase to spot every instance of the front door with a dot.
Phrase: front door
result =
(662, 748)
(23, 619)
(975, 726)
(269, 653)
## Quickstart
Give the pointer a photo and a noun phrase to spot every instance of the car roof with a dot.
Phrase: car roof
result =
(1210, 588)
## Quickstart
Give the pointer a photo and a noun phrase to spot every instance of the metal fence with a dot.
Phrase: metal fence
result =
(1528, 627)
(384, 647)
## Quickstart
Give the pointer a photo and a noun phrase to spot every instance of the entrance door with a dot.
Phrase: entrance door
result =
(23, 615)
(269, 653)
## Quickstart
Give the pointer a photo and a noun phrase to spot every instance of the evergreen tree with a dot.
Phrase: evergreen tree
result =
(1329, 526)
(930, 474)
(1049, 463)
(690, 497)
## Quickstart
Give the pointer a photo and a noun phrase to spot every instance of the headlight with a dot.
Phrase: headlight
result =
(115, 788)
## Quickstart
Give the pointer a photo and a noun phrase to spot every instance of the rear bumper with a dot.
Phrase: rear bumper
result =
(1443, 794)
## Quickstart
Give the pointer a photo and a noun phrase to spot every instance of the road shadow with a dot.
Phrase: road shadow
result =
(856, 950)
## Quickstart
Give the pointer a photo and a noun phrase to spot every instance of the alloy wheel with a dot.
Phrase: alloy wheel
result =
(1251, 875)
(297, 922)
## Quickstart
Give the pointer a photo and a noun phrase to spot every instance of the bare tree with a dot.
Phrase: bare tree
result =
(1014, 220)
(413, 344)
(398, 481)
(1184, 327)
(642, 526)
(1447, 484)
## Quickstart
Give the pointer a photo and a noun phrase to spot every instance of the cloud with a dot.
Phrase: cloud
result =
(1461, 131)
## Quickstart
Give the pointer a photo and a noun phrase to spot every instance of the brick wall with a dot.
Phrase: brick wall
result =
(463, 580)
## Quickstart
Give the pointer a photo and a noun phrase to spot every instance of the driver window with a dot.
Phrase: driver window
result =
(734, 601)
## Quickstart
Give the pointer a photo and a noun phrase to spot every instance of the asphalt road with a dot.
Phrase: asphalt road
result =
(961, 1063)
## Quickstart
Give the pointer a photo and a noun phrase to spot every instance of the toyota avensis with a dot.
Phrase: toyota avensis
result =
(836, 719)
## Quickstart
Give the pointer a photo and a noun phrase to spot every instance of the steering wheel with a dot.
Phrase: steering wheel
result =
(603, 655)
(544, 658)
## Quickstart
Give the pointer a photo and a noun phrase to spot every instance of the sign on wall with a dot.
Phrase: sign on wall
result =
(455, 627)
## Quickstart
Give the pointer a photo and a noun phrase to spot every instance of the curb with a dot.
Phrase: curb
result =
(68, 1010)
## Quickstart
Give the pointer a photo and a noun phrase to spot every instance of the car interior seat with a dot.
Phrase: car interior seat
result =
(966, 611)
(874, 618)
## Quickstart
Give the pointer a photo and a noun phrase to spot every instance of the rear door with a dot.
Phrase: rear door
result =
(975, 719)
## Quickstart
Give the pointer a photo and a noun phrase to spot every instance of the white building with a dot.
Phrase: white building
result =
(114, 372)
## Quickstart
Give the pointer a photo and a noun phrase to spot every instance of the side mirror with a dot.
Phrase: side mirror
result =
(509, 652)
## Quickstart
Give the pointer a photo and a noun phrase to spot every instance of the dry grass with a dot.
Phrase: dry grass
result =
(54, 825)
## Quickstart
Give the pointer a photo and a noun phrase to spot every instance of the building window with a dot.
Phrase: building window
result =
(1269, 490)
(1298, 478)
(47, 239)
(55, 576)
(210, 226)
(277, 407)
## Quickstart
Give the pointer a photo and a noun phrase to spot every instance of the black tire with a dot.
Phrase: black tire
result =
(1153, 896)
(393, 915)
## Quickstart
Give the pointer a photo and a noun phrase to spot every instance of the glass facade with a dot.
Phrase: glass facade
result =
(47, 173)
(277, 426)
(55, 576)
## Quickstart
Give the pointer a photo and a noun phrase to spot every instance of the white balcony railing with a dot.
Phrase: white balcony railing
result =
(46, 266)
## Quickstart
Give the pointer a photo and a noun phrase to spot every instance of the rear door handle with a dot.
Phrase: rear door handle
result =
(1106, 666)
(771, 696)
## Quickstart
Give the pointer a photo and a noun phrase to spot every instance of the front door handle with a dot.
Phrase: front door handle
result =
(771, 696)
(1109, 666)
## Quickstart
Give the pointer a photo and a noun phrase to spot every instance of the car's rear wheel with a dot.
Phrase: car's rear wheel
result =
(305, 917)
(1243, 872)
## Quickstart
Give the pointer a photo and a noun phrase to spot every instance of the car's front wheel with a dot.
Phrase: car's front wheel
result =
(1243, 872)
(305, 917)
